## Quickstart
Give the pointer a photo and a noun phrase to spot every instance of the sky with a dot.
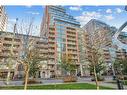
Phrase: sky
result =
(112, 15)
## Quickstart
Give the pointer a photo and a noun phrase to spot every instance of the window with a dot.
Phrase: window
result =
(7, 45)
(8, 39)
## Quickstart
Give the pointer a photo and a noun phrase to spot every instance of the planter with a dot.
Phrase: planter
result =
(33, 81)
(70, 78)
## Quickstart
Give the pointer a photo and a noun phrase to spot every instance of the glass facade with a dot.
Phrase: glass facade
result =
(61, 20)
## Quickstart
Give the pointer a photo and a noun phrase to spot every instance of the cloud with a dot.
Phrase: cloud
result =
(109, 17)
(87, 16)
(109, 11)
(118, 10)
(12, 20)
(28, 6)
(75, 8)
(33, 13)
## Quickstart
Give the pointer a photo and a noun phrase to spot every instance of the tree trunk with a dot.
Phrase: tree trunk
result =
(81, 69)
(26, 78)
(8, 77)
(96, 80)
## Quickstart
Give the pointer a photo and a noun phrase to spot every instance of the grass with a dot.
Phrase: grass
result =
(72, 86)
(125, 82)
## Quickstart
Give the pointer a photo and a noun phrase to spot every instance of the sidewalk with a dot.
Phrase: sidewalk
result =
(105, 83)
(80, 80)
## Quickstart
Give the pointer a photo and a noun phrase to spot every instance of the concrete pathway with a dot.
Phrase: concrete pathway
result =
(104, 83)
(58, 81)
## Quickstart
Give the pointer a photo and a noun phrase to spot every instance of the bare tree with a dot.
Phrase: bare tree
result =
(28, 44)
(97, 41)
(27, 28)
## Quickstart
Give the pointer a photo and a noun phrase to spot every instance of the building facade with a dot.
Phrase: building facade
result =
(60, 30)
(3, 19)
(13, 48)
(83, 42)
(110, 52)
(9, 53)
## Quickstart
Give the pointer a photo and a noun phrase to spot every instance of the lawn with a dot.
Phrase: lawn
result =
(73, 86)
(125, 82)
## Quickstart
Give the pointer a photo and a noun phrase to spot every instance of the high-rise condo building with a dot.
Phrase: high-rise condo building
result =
(60, 31)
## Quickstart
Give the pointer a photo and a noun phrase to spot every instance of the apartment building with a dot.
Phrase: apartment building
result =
(98, 31)
(83, 42)
(60, 30)
(12, 48)
(3, 19)
(9, 52)
(109, 50)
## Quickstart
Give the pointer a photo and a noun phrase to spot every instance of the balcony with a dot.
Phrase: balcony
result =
(50, 45)
(51, 61)
(51, 36)
(9, 55)
(43, 50)
(51, 50)
(70, 28)
(71, 39)
(72, 48)
(51, 28)
(71, 32)
(51, 40)
(71, 43)
(72, 53)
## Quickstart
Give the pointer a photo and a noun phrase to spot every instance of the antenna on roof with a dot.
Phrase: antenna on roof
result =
(15, 26)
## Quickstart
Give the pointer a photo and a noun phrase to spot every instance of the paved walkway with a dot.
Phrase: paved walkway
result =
(52, 81)
(105, 83)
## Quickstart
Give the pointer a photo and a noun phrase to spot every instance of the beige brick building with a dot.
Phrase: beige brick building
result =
(3, 19)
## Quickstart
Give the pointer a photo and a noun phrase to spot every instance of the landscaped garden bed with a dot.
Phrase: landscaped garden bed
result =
(70, 78)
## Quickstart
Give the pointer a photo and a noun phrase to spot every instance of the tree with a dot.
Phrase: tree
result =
(27, 59)
(68, 65)
(98, 40)
(99, 69)
(34, 62)
(120, 66)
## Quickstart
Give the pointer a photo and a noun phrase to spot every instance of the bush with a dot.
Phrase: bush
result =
(121, 77)
(70, 78)
(125, 77)
(32, 81)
